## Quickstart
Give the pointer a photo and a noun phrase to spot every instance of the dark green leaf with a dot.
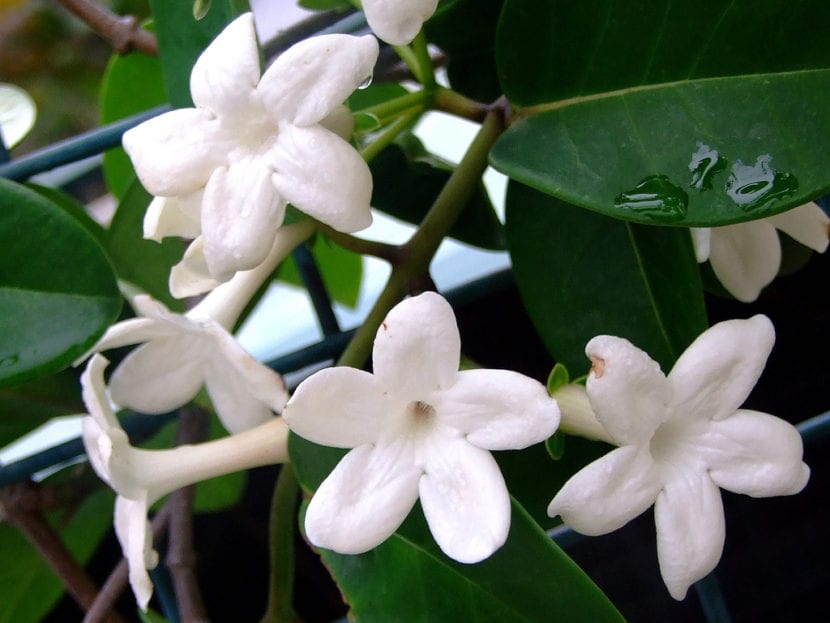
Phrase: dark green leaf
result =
(690, 153)
(57, 289)
(325, 5)
(28, 587)
(581, 274)
(407, 183)
(549, 50)
(145, 263)
(133, 83)
(72, 206)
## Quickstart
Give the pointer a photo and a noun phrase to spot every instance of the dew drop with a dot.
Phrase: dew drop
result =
(752, 187)
(655, 197)
(366, 83)
(704, 164)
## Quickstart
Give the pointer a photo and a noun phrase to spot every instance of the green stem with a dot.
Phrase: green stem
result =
(389, 134)
(281, 534)
(390, 108)
(452, 102)
(409, 57)
(423, 61)
(419, 251)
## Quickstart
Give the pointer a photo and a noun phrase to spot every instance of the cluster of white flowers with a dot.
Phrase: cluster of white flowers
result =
(417, 428)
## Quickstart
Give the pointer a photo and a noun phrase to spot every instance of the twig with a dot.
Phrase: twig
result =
(123, 32)
(388, 252)
(181, 556)
(50, 546)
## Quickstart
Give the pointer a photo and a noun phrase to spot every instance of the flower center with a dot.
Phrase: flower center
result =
(420, 413)
(673, 445)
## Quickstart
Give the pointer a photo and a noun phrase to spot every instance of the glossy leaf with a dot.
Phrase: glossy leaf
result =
(57, 289)
(690, 153)
(28, 587)
(529, 579)
(581, 274)
(73, 207)
(548, 50)
(145, 263)
(133, 83)
(325, 5)
(407, 182)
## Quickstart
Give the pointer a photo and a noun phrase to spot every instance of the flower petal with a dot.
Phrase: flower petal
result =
(340, 407)
(464, 498)
(702, 240)
(628, 392)
(191, 276)
(608, 493)
(807, 224)
(417, 348)
(690, 530)
(136, 538)
(225, 76)
(322, 175)
(244, 392)
(314, 76)
(498, 409)
(714, 376)
(365, 498)
(175, 153)
(756, 454)
(745, 257)
(93, 390)
(161, 375)
(398, 22)
(241, 212)
(173, 216)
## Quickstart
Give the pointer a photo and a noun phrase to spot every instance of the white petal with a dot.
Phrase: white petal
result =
(417, 348)
(702, 239)
(314, 76)
(714, 376)
(756, 454)
(340, 407)
(95, 394)
(690, 530)
(98, 445)
(364, 500)
(17, 114)
(628, 392)
(464, 498)
(339, 121)
(745, 257)
(322, 175)
(175, 153)
(136, 538)
(398, 21)
(173, 216)
(225, 75)
(244, 392)
(133, 331)
(807, 224)
(608, 493)
(161, 375)
(241, 212)
(498, 409)
(191, 276)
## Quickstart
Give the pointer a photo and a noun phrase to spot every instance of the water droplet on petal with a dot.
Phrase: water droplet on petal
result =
(704, 164)
(366, 83)
(655, 197)
(751, 187)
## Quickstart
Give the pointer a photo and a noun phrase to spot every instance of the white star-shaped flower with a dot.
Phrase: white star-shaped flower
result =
(398, 21)
(141, 477)
(746, 257)
(418, 428)
(682, 437)
(227, 168)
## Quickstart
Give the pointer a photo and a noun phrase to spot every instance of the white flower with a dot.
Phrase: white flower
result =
(398, 21)
(180, 353)
(251, 145)
(419, 427)
(141, 477)
(681, 437)
(746, 257)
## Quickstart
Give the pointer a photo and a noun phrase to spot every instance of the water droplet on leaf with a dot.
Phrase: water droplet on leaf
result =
(656, 197)
(754, 186)
(704, 164)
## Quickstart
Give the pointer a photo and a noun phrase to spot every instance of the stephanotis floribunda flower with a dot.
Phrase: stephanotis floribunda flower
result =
(682, 437)
(398, 21)
(181, 352)
(417, 428)
(141, 477)
(746, 257)
(227, 168)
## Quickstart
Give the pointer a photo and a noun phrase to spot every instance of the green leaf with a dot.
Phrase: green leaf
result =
(181, 39)
(689, 153)
(72, 206)
(549, 50)
(28, 587)
(145, 263)
(57, 289)
(326, 5)
(342, 270)
(581, 274)
(132, 83)
(407, 182)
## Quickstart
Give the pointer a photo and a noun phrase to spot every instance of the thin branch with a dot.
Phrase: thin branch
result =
(123, 32)
(388, 252)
